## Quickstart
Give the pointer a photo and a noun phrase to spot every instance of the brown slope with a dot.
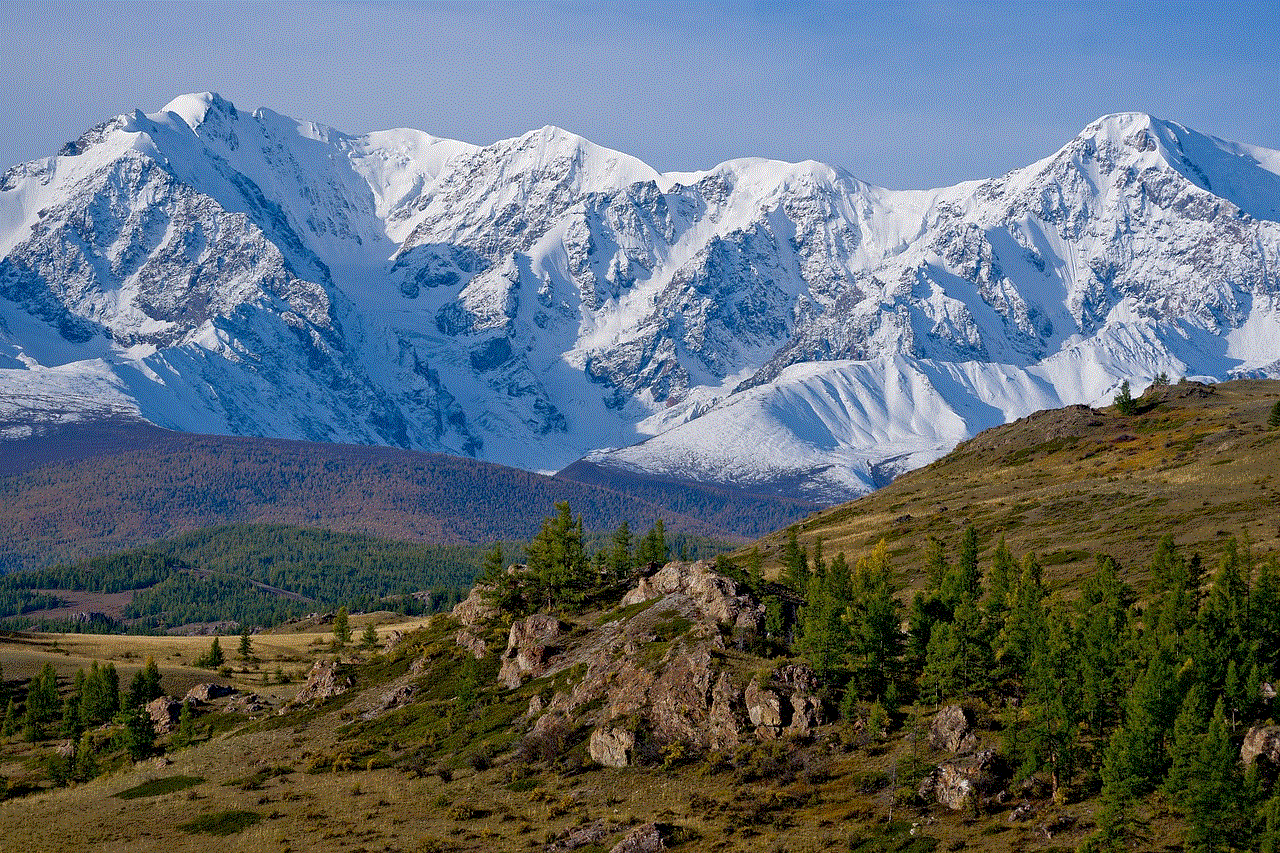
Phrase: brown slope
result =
(1196, 461)
(86, 489)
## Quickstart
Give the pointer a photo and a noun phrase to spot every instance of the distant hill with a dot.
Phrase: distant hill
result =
(1196, 461)
(84, 489)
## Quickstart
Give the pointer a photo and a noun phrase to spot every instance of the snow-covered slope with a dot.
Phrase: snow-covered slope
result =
(780, 326)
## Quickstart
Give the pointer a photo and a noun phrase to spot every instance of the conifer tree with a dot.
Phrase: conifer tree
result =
(1184, 749)
(620, 551)
(246, 643)
(1274, 420)
(185, 734)
(558, 564)
(1053, 706)
(145, 685)
(85, 763)
(1104, 631)
(1001, 581)
(42, 703)
(341, 627)
(369, 637)
(1024, 623)
(1213, 796)
(1121, 826)
(825, 633)
(872, 620)
(138, 734)
(1124, 402)
(795, 561)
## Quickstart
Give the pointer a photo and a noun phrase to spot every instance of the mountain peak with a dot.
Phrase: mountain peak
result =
(193, 108)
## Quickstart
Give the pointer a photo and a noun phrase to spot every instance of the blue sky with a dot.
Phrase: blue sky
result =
(902, 95)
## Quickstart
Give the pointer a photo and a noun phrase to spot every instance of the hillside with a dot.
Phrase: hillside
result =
(1196, 461)
(85, 489)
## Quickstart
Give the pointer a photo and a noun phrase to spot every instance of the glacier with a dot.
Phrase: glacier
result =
(776, 327)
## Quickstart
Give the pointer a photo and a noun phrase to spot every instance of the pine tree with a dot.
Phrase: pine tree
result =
(138, 734)
(1184, 749)
(85, 762)
(1124, 402)
(42, 703)
(1121, 826)
(825, 633)
(1001, 581)
(341, 628)
(1212, 800)
(246, 643)
(369, 638)
(795, 561)
(872, 621)
(620, 551)
(213, 658)
(185, 734)
(558, 566)
(145, 685)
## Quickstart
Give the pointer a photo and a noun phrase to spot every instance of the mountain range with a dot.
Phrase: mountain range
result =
(777, 328)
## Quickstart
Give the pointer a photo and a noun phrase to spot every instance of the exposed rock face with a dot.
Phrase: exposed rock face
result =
(958, 782)
(207, 692)
(323, 682)
(475, 608)
(530, 643)
(714, 595)
(952, 730)
(473, 641)
(164, 713)
(391, 641)
(764, 709)
(611, 747)
(1261, 742)
(646, 838)
(799, 712)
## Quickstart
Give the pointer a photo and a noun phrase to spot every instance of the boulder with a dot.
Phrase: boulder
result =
(961, 781)
(952, 730)
(207, 692)
(611, 747)
(164, 712)
(391, 641)
(475, 608)
(801, 685)
(1261, 742)
(249, 703)
(324, 681)
(646, 838)
(530, 644)
(764, 709)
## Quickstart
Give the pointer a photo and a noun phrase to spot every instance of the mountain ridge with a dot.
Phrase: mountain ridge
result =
(543, 299)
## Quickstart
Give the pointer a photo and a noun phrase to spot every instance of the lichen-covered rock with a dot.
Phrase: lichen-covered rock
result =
(207, 692)
(952, 730)
(958, 782)
(530, 643)
(646, 838)
(611, 747)
(801, 685)
(164, 712)
(1261, 742)
(475, 608)
(682, 701)
(473, 641)
(324, 681)
(764, 709)
(714, 595)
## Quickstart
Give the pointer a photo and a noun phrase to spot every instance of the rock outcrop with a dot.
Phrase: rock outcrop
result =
(790, 704)
(207, 692)
(324, 681)
(164, 712)
(961, 781)
(530, 644)
(611, 747)
(714, 595)
(1261, 742)
(646, 838)
(952, 730)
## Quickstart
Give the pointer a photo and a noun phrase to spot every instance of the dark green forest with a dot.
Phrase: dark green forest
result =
(262, 575)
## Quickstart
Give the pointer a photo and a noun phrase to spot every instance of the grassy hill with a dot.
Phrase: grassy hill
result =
(1196, 461)
(81, 490)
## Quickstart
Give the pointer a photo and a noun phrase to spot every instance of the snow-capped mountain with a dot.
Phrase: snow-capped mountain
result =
(781, 327)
